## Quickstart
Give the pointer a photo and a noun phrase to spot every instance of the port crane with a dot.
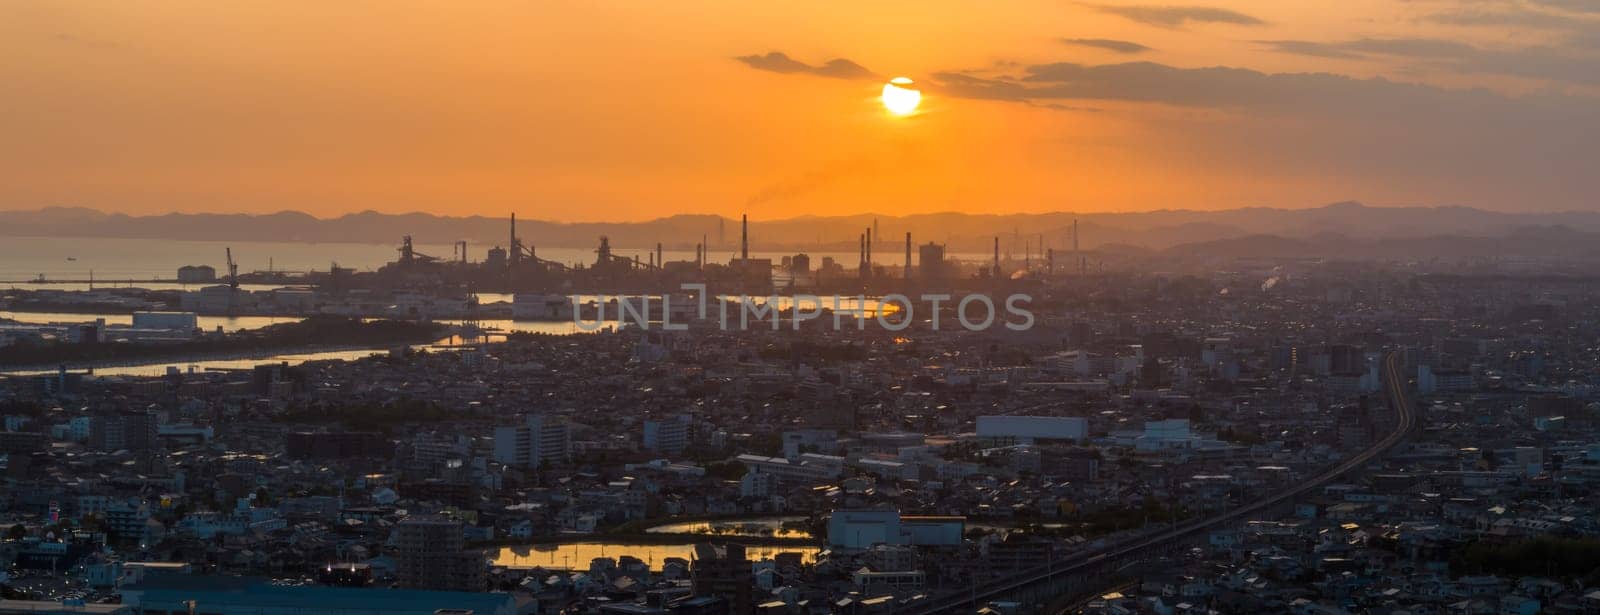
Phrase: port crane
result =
(233, 281)
(233, 271)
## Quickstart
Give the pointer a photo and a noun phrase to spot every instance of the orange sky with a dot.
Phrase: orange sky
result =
(579, 110)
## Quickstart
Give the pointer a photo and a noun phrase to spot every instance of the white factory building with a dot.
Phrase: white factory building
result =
(861, 529)
(1028, 429)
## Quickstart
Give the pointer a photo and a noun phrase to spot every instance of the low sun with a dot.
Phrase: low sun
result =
(899, 97)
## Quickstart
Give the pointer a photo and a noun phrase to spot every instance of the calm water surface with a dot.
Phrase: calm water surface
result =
(578, 555)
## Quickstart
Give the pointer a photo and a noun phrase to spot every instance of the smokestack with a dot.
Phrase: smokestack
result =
(744, 237)
(862, 268)
(997, 256)
(869, 250)
(705, 244)
(513, 247)
(1076, 253)
(908, 255)
(660, 264)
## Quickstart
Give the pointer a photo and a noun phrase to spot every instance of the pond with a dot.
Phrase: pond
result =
(764, 527)
(577, 555)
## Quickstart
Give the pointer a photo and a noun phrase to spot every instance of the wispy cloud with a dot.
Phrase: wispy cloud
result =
(1514, 16)
(1575, 6)
(1539, 146)
(779, 62)
(1167, 16)
(1107, 44)
(1312, 49)
(1535, 62)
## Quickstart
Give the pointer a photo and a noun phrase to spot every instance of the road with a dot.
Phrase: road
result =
(1394, 386)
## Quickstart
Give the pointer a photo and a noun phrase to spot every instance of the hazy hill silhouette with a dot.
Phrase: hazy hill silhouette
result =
(1349, 230)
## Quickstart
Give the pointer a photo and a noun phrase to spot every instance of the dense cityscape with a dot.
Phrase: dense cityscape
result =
(1276, 436)
(719, 307)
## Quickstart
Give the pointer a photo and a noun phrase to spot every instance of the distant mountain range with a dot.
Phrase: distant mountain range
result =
(1348, 230)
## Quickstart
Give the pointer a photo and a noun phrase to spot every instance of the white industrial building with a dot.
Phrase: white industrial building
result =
(1167, 434)
(539, 306)
(861, 529)
(1027, 429)
(808, 469)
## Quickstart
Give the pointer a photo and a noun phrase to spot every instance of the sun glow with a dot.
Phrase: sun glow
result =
(899, 97)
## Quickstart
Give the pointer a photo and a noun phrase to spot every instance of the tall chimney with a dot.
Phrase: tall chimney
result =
(660, 264)
(515, 251)
(862, 268)
(997, 257)
(908, 255)
(869, 251)
(744, 237)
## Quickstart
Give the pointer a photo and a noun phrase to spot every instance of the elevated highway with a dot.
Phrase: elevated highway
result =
(1056, 574)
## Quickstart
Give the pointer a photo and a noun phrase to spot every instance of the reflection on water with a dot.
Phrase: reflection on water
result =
(206, 323)
(577, 555)
(245, 323)
(159, 367)
(772, 527)
(550, 327)
(85, 286)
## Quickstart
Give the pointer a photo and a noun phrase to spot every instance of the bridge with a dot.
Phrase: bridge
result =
(1086, 571)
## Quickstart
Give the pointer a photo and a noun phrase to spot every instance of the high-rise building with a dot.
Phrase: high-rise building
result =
(433, 555)
(1346, 359)
(669, 435)
(132, 431)
(723, 572)
(540, 440)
